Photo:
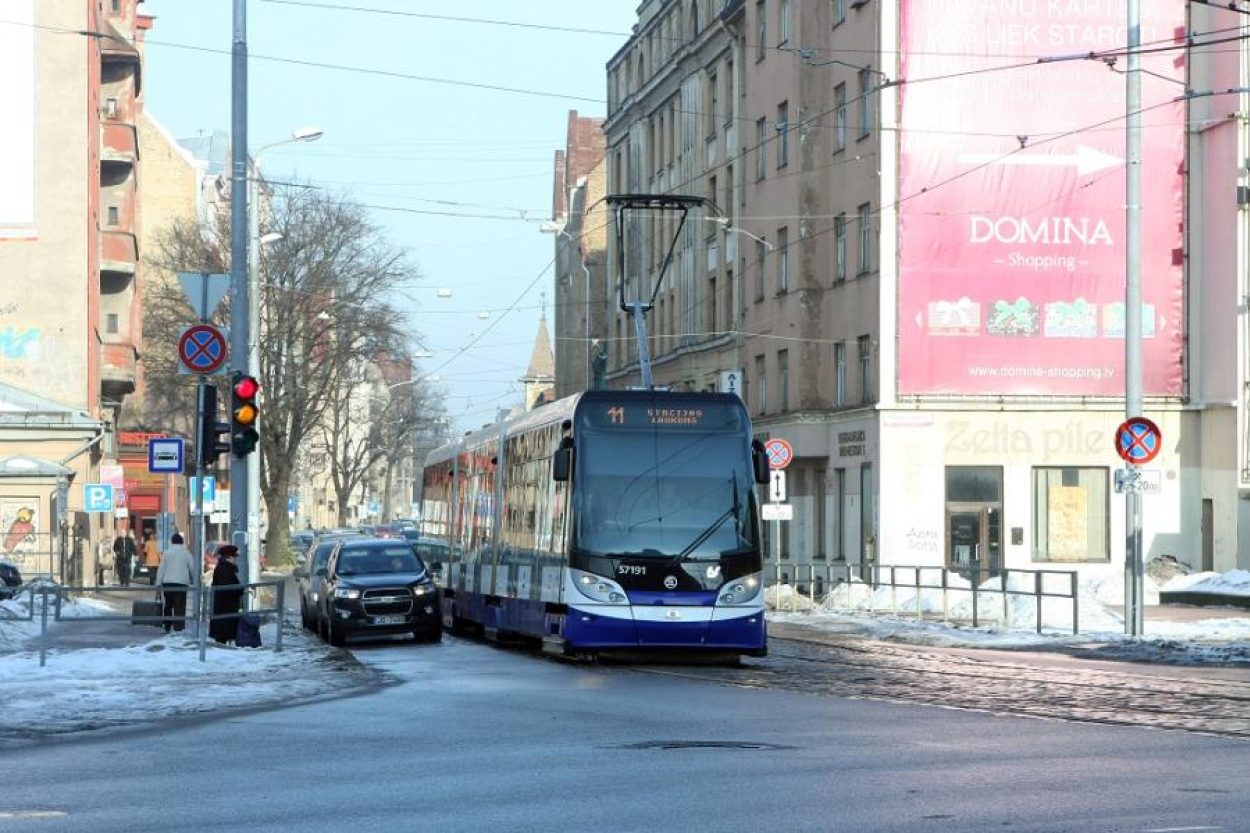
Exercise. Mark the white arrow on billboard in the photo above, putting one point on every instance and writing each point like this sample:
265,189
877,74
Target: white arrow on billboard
1086,160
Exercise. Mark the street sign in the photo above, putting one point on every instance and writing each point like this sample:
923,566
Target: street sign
209,490
113,475
121,512
119,498
779,452
97,497
202,349
1142,481
731,382
777,511
1138,441
204,290
777,486
165,456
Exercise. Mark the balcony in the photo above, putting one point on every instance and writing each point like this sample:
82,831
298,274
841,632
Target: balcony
117,369
118,143
119,252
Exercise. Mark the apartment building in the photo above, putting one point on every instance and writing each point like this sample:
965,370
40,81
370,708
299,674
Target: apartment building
69,254
671,128
931,255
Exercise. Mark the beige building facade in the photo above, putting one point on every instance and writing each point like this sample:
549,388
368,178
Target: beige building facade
816,150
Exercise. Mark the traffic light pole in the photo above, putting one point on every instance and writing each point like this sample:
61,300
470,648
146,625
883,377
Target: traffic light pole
240,292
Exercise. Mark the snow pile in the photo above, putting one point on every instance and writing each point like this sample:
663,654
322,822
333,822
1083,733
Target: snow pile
19,623
785,597
956,603
102,687
1232,583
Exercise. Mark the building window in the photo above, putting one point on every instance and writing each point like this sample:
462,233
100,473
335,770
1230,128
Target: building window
761,125
783,259
713,90
113,215
116,6
783,380
110,323
839,364
783,22
783,134
865,101
712,324
867,514
865,239
761,254
713,193
839,11
864,343
839,247
761,34
839,501
761,386
1070,511
839,118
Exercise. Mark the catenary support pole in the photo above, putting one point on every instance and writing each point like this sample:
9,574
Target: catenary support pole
1133,590
240,301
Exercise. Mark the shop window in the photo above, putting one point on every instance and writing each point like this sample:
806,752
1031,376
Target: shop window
1070,512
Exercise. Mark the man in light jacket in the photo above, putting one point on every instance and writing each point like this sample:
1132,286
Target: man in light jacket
173,577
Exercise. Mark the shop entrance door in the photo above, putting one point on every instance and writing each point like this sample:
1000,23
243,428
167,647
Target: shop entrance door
974,528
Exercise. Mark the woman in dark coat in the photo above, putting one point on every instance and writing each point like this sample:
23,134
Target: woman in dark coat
226,574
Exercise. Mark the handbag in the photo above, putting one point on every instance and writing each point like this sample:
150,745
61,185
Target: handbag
247,634
146,612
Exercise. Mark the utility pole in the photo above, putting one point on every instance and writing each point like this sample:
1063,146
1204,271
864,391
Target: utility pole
1134,584
240,293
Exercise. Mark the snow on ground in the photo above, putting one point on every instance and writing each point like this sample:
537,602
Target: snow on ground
152,675
932,617
1232,583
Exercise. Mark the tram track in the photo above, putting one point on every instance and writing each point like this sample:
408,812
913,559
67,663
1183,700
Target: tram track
857,669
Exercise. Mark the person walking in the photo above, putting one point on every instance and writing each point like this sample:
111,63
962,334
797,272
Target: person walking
222,628
174,575
124,552
151,557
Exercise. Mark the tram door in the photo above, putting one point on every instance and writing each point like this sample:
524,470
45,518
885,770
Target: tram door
974,528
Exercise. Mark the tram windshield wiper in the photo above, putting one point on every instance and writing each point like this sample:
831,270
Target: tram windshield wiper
731,512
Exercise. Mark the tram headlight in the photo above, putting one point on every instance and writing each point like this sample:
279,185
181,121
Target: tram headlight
743,590
598,588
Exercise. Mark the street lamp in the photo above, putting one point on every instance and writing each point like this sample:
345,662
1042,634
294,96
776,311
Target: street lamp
301,134
550,227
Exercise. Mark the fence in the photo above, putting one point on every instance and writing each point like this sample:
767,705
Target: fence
48,597
825,578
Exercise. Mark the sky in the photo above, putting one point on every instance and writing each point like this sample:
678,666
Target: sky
414,145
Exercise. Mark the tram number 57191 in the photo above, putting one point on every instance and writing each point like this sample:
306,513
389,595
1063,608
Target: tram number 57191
631,570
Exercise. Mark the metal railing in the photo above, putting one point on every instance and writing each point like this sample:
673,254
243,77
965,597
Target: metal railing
47,598
822,579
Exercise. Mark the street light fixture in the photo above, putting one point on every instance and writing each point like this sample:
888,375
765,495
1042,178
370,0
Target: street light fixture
300,134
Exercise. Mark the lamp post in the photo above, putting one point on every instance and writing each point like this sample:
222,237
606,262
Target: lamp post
303,134
551,227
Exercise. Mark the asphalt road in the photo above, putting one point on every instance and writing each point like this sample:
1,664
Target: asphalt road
471,737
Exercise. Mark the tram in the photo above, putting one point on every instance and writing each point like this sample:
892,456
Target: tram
612,521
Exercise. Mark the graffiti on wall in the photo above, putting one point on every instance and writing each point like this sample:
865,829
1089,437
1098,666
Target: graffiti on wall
19,526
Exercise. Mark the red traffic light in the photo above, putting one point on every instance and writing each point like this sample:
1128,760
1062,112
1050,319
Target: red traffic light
246,387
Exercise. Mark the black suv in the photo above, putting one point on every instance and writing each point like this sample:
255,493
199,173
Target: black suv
10,579
377,586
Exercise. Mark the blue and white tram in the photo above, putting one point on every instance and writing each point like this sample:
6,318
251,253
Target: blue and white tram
609,521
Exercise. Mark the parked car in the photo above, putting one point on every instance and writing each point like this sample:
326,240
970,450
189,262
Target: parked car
10,579
388,531
432,551
299,542
377,586
311,572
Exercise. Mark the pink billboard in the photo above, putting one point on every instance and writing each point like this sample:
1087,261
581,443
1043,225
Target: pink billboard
1011,203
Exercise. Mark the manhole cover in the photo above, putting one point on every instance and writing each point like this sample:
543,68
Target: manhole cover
703,744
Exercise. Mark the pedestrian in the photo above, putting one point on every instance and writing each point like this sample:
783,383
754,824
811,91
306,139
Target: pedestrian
174,575
124,552
227,595
151,557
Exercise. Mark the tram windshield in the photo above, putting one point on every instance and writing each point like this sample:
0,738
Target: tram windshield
671,483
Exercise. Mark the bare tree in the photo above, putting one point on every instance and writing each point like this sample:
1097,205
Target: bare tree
326,290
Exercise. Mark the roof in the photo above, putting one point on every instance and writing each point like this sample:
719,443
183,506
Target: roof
32,467
542,360
211,148
18,406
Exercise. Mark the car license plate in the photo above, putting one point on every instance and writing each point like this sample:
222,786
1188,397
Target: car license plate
388,620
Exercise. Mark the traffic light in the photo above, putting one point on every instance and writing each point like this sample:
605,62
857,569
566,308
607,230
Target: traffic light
243,414
211,430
